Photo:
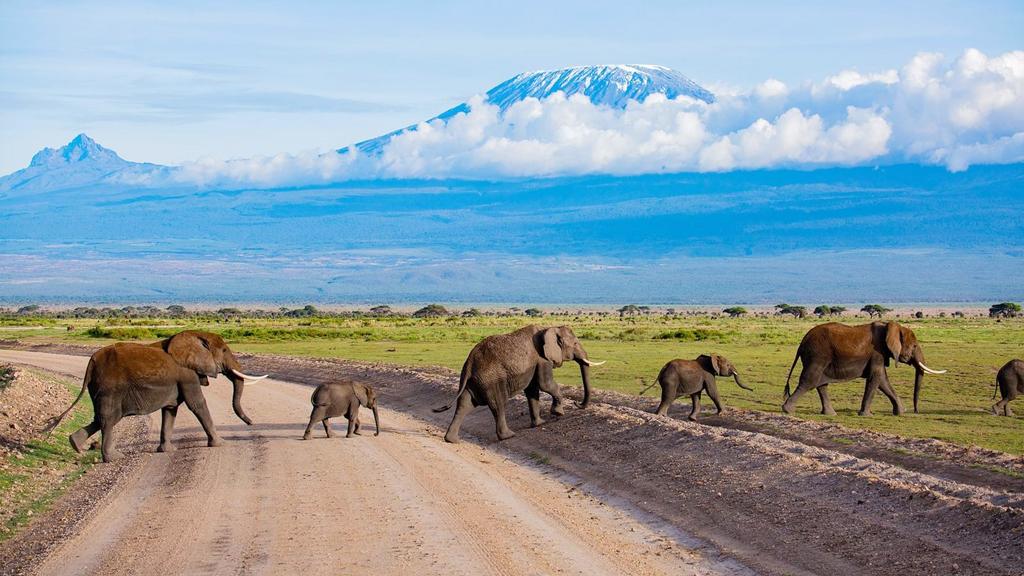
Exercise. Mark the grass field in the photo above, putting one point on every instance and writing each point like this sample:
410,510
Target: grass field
954,406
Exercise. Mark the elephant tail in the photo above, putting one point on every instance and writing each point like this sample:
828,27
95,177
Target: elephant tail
52,424
785,394
463,381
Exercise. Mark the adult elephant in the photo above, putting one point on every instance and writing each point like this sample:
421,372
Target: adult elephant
836,352
502,365
127,379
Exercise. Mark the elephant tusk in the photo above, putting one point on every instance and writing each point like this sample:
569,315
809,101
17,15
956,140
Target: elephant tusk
589,363
247,377
929,370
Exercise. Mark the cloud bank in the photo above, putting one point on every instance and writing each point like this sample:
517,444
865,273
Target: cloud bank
933,110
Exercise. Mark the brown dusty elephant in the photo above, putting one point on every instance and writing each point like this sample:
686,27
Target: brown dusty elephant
127,379
500,366
1010,384
341,399
691,377
836,352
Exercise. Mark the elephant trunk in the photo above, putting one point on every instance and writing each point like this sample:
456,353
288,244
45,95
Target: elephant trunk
918,378
736,377
236,398
376,420
585,374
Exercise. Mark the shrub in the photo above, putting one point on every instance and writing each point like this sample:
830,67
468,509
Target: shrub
7,375
694,335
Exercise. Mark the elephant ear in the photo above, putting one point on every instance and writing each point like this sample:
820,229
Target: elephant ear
716,363
709,360
361,393
552,351
193,352
893,341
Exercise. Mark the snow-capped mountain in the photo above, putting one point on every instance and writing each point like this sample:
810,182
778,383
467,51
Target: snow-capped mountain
82,162
611,85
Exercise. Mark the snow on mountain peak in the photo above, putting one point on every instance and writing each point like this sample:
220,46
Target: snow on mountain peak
80,149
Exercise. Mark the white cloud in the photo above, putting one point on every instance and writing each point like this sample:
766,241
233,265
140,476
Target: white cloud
932,111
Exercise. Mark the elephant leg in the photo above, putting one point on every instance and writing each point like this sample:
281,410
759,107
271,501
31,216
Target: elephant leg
551,388
810,377
319,414
462,407
167,428
712,389
870,386
886,388
1007,410
533,401
109,451
668,395
826,402
500,424
327,427
695,412
358,425
196,402
351,426
80,438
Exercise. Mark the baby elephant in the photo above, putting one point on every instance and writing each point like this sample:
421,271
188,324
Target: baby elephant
691,377
1010,382
341,399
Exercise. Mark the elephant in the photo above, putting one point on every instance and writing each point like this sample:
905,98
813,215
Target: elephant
836,352
341,399
1010,383
127,379
500,366
691,377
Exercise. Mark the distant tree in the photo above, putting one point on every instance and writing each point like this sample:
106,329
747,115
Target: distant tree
873,310
795,311
472,313
670,311
176,310
533,312
836,310
629,310
735,311
823,310
958,314
382,310
1004,310
229,312
430,311
30,309
918,314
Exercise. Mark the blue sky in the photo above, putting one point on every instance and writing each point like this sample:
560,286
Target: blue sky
172,82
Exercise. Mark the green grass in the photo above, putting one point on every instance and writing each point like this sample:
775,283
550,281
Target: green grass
954,406
16,481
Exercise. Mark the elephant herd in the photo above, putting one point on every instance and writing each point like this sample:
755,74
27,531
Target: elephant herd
126,379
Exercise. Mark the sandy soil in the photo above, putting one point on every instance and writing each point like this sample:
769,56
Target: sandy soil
403,502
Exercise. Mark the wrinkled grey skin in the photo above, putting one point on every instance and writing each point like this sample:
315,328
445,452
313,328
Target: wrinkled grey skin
341,399
128,379
691,377
502,365
1010,384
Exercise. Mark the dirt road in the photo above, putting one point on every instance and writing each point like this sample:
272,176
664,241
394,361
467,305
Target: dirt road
404,502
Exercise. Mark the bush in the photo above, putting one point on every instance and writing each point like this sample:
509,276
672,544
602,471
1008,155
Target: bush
694,335
7,374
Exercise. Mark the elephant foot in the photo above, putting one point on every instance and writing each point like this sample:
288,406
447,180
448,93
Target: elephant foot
537,422
692,417
307,436
452,438
557,410
787,409
166,447
1009,412
111,456
214,442
829,412
506,434
79,441
864,413
897,412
